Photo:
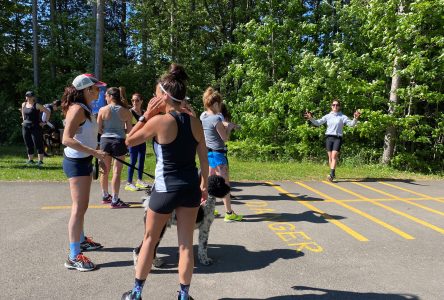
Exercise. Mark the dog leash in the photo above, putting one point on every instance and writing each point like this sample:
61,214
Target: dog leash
130,165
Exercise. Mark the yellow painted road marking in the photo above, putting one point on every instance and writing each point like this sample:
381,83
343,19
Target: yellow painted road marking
89,206
401,199
360,212
411,192
414,219
326,216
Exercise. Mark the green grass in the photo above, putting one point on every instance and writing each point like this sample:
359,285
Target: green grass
13,168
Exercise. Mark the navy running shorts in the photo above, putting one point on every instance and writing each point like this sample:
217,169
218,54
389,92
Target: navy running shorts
166,202
333,143
113,146
76,167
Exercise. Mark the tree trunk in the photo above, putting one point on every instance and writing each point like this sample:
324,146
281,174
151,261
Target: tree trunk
144,57
98,62
172,31
390,134
35,53
52,11
93,31
123,29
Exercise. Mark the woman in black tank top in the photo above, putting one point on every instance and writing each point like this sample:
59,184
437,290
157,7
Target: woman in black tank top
31,127
170,123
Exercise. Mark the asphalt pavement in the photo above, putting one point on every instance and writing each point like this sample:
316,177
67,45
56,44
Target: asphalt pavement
372,239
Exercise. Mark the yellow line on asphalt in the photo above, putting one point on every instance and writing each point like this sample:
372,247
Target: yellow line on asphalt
414,219
326,216
89,206
400,199
427,197
359,212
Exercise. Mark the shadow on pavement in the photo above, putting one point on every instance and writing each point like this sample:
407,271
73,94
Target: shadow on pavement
375,179
116,249
115,264
326,294
227,259
307,216
277,198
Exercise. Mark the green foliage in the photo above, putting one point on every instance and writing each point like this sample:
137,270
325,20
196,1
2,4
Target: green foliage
272,61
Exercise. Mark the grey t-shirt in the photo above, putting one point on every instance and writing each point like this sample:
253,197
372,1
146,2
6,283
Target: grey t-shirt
212,137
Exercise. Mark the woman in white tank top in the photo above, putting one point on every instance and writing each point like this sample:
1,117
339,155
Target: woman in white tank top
80,139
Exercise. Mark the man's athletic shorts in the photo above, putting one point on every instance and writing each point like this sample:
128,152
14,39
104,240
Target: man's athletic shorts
333,143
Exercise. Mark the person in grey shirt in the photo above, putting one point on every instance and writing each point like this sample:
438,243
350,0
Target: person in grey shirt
335,123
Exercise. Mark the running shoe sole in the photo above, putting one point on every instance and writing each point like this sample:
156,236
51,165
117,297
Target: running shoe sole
71,267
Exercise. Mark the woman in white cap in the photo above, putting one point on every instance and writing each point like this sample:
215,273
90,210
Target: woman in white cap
31,128
80,139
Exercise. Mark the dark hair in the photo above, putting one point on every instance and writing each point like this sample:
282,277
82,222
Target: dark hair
336,100
174,82
224,111
70,96
115,93
56,103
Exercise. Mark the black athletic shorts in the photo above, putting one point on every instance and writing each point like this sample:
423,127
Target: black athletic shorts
113,146
165,203
333,143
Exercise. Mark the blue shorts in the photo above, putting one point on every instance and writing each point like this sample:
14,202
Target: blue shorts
217,159
76,167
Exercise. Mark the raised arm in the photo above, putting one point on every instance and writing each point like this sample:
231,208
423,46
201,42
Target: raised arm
309,116
353,122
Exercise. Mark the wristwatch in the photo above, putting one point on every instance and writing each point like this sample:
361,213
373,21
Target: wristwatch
142,119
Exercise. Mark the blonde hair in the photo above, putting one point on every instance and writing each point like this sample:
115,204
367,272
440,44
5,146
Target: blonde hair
210,97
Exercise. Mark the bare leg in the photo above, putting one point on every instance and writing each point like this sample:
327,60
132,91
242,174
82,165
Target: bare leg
154,224
117,171
80,188
223,171
105,174
186,219
334,159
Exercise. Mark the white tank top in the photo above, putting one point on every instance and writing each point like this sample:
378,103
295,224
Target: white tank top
85,135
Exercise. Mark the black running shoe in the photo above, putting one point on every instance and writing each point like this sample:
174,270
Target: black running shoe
81,263
129,296
90,245
119,204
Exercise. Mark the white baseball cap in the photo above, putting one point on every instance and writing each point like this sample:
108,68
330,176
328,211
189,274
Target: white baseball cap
86,80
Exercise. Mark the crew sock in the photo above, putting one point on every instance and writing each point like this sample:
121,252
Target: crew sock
74,250
184,291
138,287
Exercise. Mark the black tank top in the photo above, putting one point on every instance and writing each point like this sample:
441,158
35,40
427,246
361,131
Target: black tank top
31,115
176,161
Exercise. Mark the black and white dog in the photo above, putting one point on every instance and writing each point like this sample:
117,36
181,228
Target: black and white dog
217,188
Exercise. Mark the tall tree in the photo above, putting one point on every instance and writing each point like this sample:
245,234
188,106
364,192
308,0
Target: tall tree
35,40
390,135
98,62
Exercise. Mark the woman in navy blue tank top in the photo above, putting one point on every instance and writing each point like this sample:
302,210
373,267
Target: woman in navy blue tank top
177,137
